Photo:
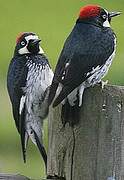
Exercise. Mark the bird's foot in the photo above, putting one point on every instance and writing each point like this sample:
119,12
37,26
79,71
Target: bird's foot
81,91
103,83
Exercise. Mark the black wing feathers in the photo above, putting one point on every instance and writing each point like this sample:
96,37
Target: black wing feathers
41,148
16,80
91,46
57,77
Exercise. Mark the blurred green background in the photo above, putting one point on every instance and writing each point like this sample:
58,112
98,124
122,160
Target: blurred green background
52,21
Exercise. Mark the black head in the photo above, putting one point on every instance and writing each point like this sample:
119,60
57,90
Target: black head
28,43
97,14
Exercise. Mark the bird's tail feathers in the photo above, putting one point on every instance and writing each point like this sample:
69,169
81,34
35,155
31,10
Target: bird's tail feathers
24,143
70,114
34,131
40,147
36,140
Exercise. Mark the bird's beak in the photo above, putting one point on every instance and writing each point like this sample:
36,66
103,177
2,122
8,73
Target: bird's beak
35,42
113,14
33,45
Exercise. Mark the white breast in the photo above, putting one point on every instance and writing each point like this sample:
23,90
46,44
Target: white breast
38,79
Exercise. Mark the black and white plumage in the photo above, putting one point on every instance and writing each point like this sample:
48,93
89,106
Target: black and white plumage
85,58
28,80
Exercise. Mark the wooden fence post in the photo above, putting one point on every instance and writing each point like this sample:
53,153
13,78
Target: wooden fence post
93,149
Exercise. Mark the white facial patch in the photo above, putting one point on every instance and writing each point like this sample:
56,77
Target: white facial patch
41,51
23,50
30,37
106,23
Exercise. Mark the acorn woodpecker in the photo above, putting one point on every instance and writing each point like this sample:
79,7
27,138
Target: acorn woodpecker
85,58
28,80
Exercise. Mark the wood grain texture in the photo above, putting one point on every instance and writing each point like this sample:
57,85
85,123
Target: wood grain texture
93,149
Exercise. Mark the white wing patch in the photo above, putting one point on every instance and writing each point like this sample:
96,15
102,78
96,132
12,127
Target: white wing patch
22,102
66,65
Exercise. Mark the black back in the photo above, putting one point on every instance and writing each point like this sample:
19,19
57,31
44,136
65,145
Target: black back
87,46
16,79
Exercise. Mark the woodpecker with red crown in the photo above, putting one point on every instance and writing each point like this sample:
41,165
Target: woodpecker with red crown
28,80
85,59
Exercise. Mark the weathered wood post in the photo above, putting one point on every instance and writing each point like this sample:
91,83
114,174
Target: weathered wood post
93,149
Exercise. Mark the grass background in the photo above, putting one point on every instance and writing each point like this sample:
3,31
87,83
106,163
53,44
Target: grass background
52,21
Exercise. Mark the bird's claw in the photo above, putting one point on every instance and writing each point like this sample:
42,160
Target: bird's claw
103,83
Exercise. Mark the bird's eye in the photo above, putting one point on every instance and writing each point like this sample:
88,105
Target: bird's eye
104,16
22,43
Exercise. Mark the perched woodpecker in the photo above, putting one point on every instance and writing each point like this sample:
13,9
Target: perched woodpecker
85,59
28,80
